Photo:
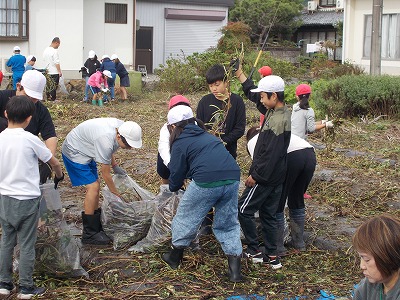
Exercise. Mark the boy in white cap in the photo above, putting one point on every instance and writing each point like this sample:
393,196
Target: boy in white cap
91,142
90,67
17,64
267,172
30,62
109,65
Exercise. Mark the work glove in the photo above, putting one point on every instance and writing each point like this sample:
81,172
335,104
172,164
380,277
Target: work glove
105,90
57,180
118,170
45,171
329,124
234,65
323,121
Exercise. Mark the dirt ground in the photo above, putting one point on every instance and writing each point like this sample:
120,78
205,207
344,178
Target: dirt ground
357,176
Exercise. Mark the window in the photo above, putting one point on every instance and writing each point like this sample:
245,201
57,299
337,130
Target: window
390,36
13,19
116,13
327,2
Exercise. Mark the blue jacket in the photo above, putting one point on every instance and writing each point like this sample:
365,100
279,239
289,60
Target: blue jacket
121,70
109,65
17,63
200,156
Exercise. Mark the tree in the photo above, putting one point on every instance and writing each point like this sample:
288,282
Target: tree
261,15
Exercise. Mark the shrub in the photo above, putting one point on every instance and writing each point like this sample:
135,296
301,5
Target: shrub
233,36
353,96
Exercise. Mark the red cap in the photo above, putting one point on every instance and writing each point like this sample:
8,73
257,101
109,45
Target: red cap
303,89
1,76
265,71
175,100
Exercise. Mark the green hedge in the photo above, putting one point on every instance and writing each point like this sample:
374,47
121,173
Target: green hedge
354,96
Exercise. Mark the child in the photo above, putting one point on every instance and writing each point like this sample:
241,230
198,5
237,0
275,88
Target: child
221,110
164,155
264,71
17,64
30,62
90,67
96,141
215,176
303,117
377,241
123,76
108,64
95,81
224,114
20,195
267,173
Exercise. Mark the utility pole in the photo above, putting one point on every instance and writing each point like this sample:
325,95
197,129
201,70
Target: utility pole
376,38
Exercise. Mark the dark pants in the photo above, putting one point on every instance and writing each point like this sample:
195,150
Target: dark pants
265,200
300,170
52,87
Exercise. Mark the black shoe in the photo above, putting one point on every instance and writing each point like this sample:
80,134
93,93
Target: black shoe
29,292
255,256
273,261
174,257
6,288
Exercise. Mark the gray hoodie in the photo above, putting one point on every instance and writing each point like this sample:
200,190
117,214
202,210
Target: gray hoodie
303,121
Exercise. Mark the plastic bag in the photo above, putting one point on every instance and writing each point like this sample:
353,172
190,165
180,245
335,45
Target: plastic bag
127,222
63,88
57,251
160,229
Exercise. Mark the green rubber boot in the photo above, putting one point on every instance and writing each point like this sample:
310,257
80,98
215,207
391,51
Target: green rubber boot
94,102
100,102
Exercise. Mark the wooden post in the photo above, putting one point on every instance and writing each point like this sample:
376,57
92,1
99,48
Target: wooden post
376,38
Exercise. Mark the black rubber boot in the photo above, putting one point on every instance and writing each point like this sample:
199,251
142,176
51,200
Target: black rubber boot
206,226
92,233
174,257
234,268
98,212
297,220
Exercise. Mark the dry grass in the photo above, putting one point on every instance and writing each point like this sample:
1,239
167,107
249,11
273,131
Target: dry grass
360,188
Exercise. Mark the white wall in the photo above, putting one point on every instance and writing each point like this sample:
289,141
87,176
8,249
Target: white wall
355,11
152,14
107,38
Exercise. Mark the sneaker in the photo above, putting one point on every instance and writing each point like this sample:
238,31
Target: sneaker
29,292
255,256
273,261
6,288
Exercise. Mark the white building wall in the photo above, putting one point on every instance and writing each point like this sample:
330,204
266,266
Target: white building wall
354,19
107,38
151,14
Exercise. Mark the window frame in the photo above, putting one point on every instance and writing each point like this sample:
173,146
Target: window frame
21,24
367,38
327,3
112,17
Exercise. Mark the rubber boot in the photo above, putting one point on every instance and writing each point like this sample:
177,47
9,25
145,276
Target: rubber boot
100,102
174,257
280,234
92,233
94,102
98,212
206,226
234,268
297,220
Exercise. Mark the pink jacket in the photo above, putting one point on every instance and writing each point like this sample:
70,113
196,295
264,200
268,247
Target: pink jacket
96,79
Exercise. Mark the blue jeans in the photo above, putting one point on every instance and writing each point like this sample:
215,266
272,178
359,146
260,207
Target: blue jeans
87,89
194,206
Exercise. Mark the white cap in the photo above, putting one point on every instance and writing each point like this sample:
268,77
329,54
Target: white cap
114,56
105,56
107,73
92,54
179,113
271,83
29,58
16,48
33,83
132,133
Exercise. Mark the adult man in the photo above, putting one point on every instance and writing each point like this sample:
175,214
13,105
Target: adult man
32,85
17,64
94,142
52,62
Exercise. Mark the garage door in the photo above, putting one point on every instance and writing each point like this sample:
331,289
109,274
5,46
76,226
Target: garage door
190,36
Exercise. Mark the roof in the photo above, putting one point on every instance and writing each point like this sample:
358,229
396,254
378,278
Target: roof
321,18
227,3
